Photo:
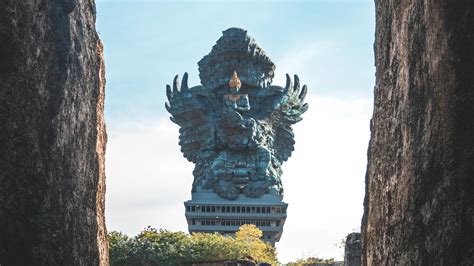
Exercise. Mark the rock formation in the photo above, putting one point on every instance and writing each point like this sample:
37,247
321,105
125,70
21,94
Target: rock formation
353,250
52,134
419,205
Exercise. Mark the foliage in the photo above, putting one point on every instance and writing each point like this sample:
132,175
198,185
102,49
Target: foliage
162,247
248,233
210,247
311,261
249,236
118,247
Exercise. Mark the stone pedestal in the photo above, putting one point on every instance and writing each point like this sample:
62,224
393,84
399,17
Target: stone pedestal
206,212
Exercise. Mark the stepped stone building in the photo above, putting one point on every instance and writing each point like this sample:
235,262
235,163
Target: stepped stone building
207,212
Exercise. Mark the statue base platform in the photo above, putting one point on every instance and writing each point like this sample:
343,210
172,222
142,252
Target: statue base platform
206,212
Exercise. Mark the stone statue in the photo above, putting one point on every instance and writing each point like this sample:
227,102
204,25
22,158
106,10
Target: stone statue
236,127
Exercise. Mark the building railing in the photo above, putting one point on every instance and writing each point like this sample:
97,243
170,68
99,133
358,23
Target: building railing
235,215
234,209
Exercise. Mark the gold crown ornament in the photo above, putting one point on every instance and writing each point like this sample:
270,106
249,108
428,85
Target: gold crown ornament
234,81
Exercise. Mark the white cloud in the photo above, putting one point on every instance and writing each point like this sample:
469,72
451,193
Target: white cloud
324,179
148,179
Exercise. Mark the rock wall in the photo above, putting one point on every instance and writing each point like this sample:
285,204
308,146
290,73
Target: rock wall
52,134
419,205
353,250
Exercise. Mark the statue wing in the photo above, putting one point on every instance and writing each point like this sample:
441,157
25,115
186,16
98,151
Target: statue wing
287,110
190,109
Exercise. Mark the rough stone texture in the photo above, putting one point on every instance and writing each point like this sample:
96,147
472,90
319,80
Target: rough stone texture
52,135
238,133
419,205
353,250
233,52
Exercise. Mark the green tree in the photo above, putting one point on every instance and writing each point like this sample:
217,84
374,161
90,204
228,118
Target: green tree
162,247
312,261
209,247
119,245
249,236
153,247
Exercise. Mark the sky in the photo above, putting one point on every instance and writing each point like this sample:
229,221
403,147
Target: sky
329,44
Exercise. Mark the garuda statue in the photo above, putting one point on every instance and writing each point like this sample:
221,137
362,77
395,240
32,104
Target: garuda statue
236,126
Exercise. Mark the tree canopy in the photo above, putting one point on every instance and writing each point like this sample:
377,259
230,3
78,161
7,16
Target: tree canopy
162,247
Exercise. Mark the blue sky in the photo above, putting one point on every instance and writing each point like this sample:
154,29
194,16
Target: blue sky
327,43
147,43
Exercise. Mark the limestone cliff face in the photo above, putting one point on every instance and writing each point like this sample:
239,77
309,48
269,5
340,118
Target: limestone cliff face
52,134
419,205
